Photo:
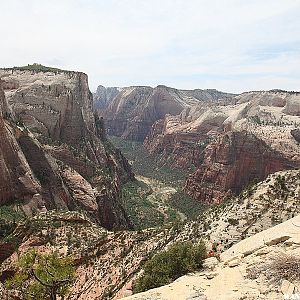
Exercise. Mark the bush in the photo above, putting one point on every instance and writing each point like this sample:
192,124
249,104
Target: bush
280,266
233,222
169,265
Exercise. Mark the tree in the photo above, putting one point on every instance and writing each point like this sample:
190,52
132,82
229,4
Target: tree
42,276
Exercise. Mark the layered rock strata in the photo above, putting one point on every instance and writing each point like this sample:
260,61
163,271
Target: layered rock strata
64,144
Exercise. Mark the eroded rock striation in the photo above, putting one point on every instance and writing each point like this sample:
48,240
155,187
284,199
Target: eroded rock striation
131,113
230,145
56,130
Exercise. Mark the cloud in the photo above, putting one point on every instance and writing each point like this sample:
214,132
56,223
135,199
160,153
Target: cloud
233,45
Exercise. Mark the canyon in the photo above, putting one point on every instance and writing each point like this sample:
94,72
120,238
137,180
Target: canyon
115,177
230,141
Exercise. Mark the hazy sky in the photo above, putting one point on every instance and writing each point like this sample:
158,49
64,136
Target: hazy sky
230,45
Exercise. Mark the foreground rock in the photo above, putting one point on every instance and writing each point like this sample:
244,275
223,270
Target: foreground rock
233,279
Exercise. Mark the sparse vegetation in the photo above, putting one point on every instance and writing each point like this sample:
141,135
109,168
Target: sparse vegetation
10,215
35,67
165,267
280,266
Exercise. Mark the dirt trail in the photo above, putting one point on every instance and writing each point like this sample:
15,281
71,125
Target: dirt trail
161,195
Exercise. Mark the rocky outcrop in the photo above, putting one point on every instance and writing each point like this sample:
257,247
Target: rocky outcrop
243,271
105,261
56,130
230,164
103,96
133,110
257,208
296,134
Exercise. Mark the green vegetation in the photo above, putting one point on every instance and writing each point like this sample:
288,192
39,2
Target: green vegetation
145,165
190,207
42,276
39,68
10,215
233,222
169,265
142,212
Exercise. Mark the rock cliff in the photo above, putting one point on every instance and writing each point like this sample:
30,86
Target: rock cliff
258,127
131,113
103,96
17,181
64,144
231,163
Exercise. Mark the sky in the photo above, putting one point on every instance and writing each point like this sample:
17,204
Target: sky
229,45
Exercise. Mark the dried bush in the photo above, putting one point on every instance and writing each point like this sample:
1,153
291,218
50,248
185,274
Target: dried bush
280,266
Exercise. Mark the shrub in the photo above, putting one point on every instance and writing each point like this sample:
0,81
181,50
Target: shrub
233,222
280,266
170,264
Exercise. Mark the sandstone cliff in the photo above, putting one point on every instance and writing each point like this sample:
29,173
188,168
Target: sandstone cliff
258,127
65,144
131,113
17,179
103,96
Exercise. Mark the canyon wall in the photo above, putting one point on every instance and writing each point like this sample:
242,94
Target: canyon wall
131,112
230,145
63,144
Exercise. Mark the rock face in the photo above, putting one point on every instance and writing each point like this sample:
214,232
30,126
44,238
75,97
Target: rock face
56,129
133,110
103,96
17,181
230,145
231,163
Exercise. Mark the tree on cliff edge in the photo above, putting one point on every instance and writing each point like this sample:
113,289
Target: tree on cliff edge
42,276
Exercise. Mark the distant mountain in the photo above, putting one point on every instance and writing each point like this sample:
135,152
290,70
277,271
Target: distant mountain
130,112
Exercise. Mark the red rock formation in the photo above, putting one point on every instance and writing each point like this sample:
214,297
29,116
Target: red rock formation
61,132
231,163
133,110
17,182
